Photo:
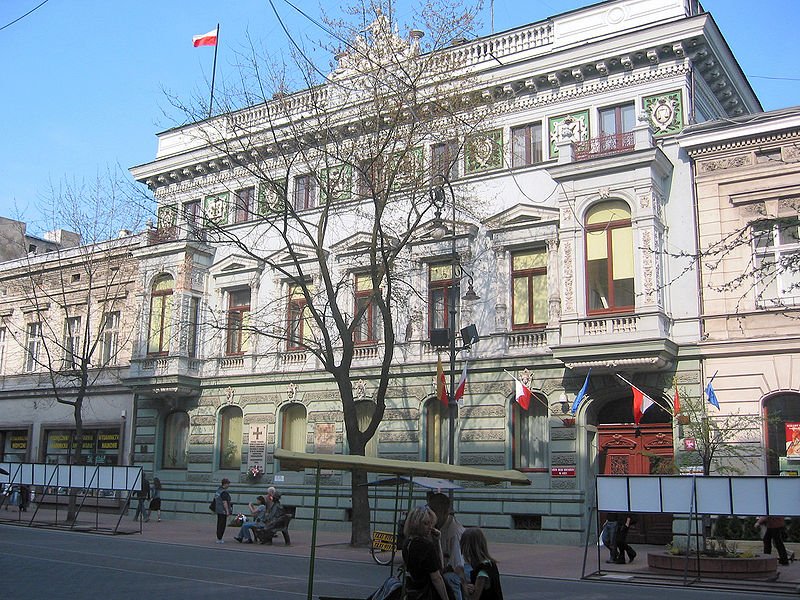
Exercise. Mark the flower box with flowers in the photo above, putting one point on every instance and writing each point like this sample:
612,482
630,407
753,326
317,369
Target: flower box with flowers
254,474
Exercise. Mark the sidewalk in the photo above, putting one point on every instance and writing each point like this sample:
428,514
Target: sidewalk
532,560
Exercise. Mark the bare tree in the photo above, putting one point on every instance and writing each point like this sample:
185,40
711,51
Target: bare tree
71,323
354,139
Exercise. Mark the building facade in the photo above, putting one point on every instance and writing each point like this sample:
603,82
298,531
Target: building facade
573,225
746,172
65,323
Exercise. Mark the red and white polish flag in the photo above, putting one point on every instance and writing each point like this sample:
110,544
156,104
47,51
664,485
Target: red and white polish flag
522,394
462,385
206,39
641,402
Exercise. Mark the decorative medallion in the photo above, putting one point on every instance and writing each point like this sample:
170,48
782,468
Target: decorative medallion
665,112
271,197
360,389
573,127
216,208
484,151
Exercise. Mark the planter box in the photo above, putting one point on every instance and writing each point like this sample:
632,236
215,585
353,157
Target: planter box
734,568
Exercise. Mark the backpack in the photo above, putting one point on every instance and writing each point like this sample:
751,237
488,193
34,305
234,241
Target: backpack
213,505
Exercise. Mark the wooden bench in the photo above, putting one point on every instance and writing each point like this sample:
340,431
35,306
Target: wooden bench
280,525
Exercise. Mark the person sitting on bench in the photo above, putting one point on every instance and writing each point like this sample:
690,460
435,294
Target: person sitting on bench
275,520
258,512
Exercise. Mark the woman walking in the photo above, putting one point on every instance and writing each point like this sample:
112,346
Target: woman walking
155,499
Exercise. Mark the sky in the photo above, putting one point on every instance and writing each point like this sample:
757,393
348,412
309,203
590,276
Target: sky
84,82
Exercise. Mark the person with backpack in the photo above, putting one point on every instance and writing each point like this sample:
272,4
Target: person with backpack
155,499
223,507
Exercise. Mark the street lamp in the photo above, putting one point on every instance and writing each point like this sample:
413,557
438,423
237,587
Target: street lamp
447,337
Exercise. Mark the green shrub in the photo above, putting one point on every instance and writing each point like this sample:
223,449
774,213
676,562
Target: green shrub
794,530
721,527
735,529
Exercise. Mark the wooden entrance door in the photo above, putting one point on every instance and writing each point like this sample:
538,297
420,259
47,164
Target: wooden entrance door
626,450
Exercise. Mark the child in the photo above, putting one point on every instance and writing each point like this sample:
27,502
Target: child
484,576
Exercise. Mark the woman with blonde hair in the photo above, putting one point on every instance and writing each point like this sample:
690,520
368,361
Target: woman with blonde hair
421,555
485,578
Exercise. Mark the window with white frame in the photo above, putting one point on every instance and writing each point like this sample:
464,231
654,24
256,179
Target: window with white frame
609,258
33,346
72,342
776,245
529,430
109,342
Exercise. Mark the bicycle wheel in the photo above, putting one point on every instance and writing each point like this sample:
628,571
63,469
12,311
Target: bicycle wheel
379,554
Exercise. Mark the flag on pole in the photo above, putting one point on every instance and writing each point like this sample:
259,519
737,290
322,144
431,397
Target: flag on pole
712,397
441,386
581,394
206,39
462,385
641,402
522,394
676,402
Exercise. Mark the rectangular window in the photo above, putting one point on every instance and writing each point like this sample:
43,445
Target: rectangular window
191,214
529,431
443,295
304,192
243,204
526,145
368,327
194,324
110,338
72,342
238,316
529,288
369,178
299,319
444,159
776,245
617,119
33,346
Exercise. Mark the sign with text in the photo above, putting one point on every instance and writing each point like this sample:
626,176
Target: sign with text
256,457
562,472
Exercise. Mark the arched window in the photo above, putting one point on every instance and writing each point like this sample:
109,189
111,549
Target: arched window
293,428
783,434
175,440
609,258
230,437
159,331
365,409
436,431
529,431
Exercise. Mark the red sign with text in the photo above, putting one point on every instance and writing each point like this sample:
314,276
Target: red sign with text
562,472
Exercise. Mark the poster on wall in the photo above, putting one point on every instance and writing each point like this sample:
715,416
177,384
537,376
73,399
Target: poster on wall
793,441
258,445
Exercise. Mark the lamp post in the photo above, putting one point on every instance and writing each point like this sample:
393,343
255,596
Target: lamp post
469,334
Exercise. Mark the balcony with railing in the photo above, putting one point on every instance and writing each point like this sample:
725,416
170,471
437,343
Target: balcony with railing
605,145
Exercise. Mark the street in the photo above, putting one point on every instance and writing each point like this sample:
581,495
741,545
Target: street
42,563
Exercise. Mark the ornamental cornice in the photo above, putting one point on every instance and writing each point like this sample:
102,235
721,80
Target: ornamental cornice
749,143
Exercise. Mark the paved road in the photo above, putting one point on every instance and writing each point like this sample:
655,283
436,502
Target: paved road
45,564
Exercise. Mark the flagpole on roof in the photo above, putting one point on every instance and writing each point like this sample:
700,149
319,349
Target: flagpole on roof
213,75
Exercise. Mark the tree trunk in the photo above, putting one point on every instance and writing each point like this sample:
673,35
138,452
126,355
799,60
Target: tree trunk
360,532
75,459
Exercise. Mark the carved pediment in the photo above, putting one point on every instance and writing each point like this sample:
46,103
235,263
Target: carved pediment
356,244
300,253
521,215
237,265
619,441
